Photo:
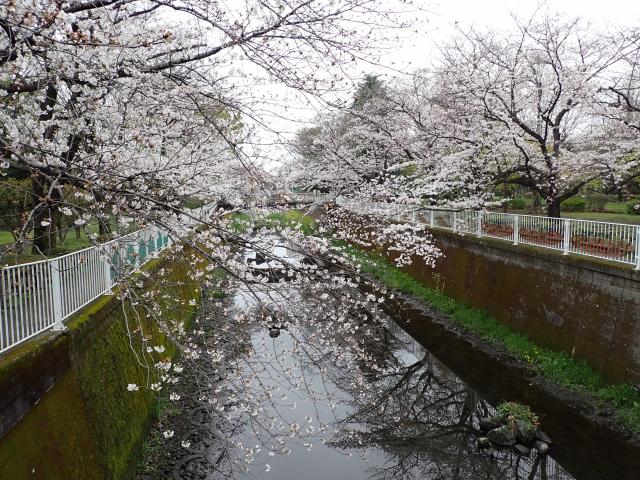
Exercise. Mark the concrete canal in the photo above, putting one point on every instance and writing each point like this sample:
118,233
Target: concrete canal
270,392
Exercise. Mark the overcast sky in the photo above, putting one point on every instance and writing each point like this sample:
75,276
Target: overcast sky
435,24
441,18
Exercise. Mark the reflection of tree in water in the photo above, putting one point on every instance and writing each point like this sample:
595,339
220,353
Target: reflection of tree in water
374,391
425,420
238,411
209,399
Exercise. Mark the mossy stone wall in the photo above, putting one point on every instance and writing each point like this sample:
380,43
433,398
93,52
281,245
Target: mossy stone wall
88,425
584,306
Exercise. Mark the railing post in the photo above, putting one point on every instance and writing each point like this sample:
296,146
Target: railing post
136,251
516,229
106,268
153,239
638,248
414,218
479,226
431,217
56,294
566,238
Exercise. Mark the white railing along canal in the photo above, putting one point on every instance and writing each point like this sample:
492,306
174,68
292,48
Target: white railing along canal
40,295
618,242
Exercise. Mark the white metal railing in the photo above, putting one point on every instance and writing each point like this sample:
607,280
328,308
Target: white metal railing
310,196
40,295
618,242
266,199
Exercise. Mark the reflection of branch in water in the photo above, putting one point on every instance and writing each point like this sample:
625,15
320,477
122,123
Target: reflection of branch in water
371,389
424,420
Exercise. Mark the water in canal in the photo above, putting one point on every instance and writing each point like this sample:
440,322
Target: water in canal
271,391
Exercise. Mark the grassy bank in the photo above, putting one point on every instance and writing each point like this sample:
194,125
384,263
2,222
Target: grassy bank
557,367
70,243
292,219
240,223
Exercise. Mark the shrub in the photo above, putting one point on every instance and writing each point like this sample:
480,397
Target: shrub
518,203
574,204
518,411
633,206
597,201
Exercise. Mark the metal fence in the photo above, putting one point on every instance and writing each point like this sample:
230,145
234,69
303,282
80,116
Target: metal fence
310,197
40,295
618,242
265,199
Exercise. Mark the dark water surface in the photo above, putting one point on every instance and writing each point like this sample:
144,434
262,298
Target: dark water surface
270,402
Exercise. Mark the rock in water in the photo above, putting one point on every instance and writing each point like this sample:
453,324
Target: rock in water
483,442
487,424
503,436
541,447
525,432
522,450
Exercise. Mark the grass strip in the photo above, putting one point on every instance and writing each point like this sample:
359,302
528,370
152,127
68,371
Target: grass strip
557,367
291,218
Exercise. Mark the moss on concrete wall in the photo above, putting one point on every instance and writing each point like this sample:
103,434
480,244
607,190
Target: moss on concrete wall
89,426
589,310
54,441
586,307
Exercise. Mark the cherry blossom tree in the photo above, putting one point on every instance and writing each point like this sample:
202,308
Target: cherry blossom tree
138,103
528,100
365,147
402,145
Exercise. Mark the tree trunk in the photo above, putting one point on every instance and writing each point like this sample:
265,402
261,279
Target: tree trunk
505,193
103,227
553,208
44,236
61,230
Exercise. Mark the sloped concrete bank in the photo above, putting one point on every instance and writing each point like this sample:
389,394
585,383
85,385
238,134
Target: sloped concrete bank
65,409
584,306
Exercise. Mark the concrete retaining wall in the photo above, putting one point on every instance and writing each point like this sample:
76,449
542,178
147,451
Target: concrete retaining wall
584,306
64,406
